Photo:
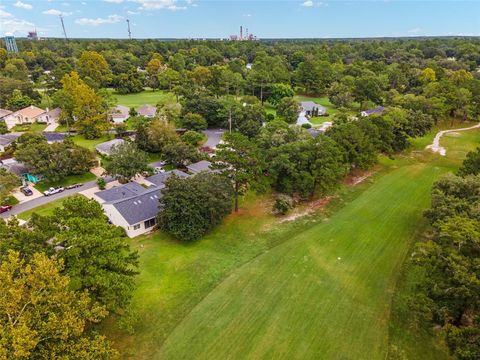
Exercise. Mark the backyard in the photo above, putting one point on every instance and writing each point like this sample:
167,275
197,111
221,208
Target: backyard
147,97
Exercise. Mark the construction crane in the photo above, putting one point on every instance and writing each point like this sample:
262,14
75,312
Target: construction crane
129,32
63,27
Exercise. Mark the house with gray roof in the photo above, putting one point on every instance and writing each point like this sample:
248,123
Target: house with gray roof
106,148
6,140
378,110
160,179
200,166
136,214
128,190
119,114
312,109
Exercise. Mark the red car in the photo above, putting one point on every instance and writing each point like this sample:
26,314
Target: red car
5,208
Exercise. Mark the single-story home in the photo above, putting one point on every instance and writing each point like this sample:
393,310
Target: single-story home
106,148
147,111
160,179
377,110
136,214
49,116
200,166
19,169
119,114
6,140
22,116
312,109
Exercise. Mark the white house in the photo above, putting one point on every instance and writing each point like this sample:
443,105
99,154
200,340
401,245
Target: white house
106,148
49,116
147,111
23,116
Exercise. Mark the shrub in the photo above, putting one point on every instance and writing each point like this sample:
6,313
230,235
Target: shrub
101,183
283,204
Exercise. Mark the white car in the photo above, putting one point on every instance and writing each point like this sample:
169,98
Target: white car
53,191
158,170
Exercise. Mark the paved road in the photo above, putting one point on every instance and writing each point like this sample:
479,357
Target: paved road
214,137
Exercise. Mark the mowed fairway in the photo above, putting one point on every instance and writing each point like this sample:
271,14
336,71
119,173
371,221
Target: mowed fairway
323,294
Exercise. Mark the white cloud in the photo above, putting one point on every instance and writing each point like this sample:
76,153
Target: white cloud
22,5
159,4
130,12
308,3
11,24
114,1
56,12
4,14
111,19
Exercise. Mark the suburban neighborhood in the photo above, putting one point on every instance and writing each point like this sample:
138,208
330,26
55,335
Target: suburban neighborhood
197,180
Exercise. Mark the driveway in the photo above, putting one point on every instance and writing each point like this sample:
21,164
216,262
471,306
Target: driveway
214,137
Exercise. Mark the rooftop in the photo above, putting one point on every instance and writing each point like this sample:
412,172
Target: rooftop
128,190
197,167
160,179
107,147
30,112
4,112
7,139
147,110
310,105
140,207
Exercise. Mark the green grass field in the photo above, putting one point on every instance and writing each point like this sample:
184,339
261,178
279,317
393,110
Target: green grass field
90,144
145,97
43,210
35,127
319,287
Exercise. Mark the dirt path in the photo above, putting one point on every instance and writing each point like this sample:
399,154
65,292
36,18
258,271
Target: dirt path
435,146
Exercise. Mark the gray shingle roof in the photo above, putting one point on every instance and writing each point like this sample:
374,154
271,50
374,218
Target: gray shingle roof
147,110
128,190
141,207
310,105
107,147
197,167
160,179
7,139
54,137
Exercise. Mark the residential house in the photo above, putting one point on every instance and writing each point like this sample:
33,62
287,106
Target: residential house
119,114
49,116
136,214
106,148
200,166
378,110
147,111
312,109
4,112
19,169
24,116
133,206
161,179
6,140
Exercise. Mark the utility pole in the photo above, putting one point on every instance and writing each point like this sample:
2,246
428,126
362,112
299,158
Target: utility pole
63,27
129,32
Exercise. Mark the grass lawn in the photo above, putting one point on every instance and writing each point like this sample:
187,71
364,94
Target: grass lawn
145,97
90,144
257,288
69,180
44,210
35,127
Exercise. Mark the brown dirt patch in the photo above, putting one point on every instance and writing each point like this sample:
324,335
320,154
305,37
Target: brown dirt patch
307,209
357,177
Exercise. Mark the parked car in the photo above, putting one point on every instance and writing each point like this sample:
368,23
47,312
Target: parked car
74,186
26,191
158,170
5,208
53,191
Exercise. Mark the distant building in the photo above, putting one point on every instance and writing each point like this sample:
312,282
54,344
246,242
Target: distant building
312,109
11,44
106,148
119,114
32,35
6,140
377,110
147,111
200,166
27,115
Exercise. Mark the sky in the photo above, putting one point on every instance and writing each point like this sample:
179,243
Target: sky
219,19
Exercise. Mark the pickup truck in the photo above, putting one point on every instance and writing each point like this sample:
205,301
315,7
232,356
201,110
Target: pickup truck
53,191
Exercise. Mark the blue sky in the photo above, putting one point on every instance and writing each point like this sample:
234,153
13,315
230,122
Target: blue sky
219,19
